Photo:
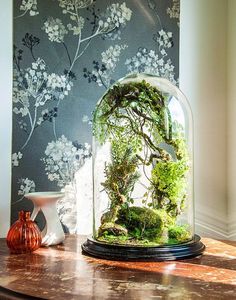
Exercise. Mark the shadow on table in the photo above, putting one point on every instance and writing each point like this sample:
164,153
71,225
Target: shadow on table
219,262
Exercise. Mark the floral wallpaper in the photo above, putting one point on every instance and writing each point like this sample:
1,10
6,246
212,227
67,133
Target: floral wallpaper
66,54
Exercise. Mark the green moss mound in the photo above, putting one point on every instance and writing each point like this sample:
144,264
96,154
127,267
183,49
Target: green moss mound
179,234
143,226
141,222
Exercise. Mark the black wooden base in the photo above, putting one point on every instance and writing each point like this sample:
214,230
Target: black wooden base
130,253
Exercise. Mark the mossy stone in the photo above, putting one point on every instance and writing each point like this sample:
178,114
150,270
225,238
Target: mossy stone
141,222
179,233
112,228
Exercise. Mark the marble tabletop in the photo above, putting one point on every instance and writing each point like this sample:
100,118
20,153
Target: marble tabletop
62,272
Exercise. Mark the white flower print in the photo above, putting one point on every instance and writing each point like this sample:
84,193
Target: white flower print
15,158
41,119
174,11
23,111
63,159
113,35
77,29
28,6
69,5
23,125
55,30
55,81
164,39
33,88
116,15
163,52
19,95
150,62
72,7
37,83
111,56
26,186
102,74
85,119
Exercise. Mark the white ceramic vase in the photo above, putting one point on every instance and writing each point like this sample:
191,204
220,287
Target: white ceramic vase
53,233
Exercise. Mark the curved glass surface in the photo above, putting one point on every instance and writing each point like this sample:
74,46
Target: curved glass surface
143,164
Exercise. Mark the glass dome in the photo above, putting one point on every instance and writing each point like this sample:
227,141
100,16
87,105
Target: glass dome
143,165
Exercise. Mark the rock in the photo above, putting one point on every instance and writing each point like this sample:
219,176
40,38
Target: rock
143,221
112,228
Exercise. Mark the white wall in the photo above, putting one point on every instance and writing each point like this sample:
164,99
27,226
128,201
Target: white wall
203,37
231,118
5,113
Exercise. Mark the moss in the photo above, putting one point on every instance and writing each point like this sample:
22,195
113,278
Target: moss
110,228
144,242
169,183
179,233
142,226
127,240
113,239
166,218
141,222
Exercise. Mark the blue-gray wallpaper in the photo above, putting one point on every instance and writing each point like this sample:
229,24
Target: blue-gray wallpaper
66,54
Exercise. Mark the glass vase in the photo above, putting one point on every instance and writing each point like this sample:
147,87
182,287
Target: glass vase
143,171
24,235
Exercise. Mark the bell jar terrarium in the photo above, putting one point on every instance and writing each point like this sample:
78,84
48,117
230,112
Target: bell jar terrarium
143,173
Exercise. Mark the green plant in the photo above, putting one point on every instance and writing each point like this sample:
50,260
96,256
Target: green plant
136,120
179,233
169,186
127,109
121,175
141,222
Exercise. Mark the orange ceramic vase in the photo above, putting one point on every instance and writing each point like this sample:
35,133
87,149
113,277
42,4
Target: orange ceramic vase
24,235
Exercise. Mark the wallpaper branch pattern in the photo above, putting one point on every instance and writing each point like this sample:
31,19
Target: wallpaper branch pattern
66,54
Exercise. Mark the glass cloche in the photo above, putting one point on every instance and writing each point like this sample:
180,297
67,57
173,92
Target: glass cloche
143,172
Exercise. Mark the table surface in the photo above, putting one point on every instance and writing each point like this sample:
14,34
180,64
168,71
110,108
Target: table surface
62,272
